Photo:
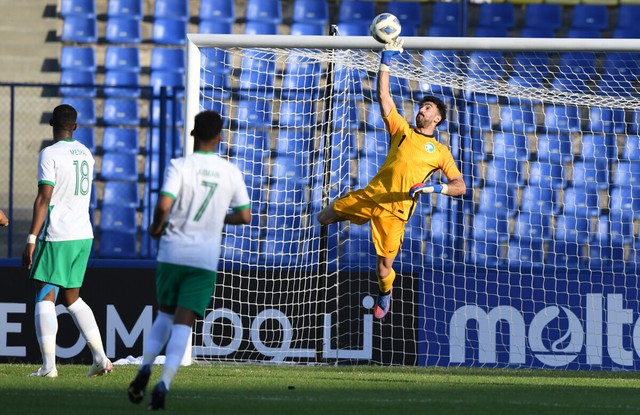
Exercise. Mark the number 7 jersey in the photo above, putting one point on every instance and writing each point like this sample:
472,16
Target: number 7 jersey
67,165
204,187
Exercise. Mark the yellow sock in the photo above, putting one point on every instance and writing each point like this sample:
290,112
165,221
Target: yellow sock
386,283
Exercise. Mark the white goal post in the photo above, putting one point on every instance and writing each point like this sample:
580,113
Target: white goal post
534,267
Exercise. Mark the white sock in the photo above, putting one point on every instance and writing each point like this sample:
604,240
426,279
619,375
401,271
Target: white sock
86,323
46,329
176,347
160,332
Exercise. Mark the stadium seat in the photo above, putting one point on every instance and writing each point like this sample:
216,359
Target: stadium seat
537,32
484,254
590,16
445,61
86,136
120,140
168,59
119,166
502,170
517,119
297,114
215,27
409,13
607,120
624,65
239,250
215,61
301,78
118,219
570,236
268,11
627,174
217,11
290,171
525,254
171,139
446,14
307,29
173,82
511,146
491,31
615,84
257,73
591,173
172,117
543,15
291,142
122,58
118,245
169,32
121,193
286,198
123,30
275,252
86,109
353,29
631,149
250,139
546,174
595,146
623,207
581,201
79,58
346,115
606,249
484,66
121,111
561,119
121,84
74,83
81,8
375,143
125,8
442,30
498,200
555,148
252,166
628,16
260,28
491,227
351,11
532,64
254,113
171,9
374,118
532,227
496,14
311,11
79,30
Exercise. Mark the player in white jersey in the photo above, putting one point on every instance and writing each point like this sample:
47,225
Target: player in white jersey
60,241
193,206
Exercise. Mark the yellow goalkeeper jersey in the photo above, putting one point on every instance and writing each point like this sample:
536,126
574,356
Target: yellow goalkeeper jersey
412,158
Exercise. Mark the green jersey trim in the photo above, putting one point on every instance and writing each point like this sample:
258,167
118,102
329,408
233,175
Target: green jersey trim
172,196
205,152
243,207
46,182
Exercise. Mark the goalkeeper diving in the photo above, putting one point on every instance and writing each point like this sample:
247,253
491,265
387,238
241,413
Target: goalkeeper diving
388,201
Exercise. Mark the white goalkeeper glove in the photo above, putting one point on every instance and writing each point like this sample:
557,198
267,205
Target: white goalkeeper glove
390,50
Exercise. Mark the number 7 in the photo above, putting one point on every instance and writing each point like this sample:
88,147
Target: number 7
212,188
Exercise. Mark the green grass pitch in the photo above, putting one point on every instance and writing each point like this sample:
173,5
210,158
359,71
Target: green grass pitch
326,390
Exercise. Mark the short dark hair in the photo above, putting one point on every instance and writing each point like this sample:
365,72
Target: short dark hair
442,107
64,117
208,125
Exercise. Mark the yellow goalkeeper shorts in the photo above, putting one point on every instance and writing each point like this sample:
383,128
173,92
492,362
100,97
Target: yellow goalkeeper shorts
387,230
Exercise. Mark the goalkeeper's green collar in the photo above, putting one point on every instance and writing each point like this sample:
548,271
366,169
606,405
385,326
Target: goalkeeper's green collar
204,152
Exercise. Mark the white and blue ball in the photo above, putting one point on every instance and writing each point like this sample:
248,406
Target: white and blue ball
385,28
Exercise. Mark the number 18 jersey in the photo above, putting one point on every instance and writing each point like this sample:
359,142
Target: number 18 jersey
204,187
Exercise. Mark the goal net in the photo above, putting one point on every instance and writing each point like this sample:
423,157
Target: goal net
533,267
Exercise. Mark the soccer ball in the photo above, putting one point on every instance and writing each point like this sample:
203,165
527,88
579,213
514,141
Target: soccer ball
385,28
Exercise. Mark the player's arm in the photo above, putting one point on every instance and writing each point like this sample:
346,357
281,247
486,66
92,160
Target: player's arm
383,90
455,186
160,215
239,217
40,209
4,220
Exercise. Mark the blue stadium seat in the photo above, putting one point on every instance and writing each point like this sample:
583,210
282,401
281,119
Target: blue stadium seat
555,148
628,16
120,140
484,66
444,30
570,236
445,14
502,170
498,200
353,29
215,27
624,65
121,193
121,84
253,140
496,14
590,16
254,113
260,28
123,30
86,109
291,142
626,33
561,119
257,74
275,252
346,115
269,11
409,13
595,146
122,58
581,201
169,32
80,58
217,10
491,31
519,119
311,11
375,142
543,15
171,9
374,118
216,86
117,245
168,59
537,200
445,61
367,168
591,173
297,114
172,81
533,64
631,149
606,120
301,78
484,254
81,8
348,81
171,139
121,111
351,11
615,84
239,249
623,207
125,8
86,136
173,117
79,30
215,61
606,247
118,219
627,174
85,81
537,32
119,166
511,146
290,170
525,254
308,29
490,227
252,165
286,198
532,227
546,174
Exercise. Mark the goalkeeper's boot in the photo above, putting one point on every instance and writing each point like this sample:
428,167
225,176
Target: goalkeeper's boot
99,369
157,397
139,384
45,373
383,304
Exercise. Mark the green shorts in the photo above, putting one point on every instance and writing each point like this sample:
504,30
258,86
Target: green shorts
61,263
187,287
